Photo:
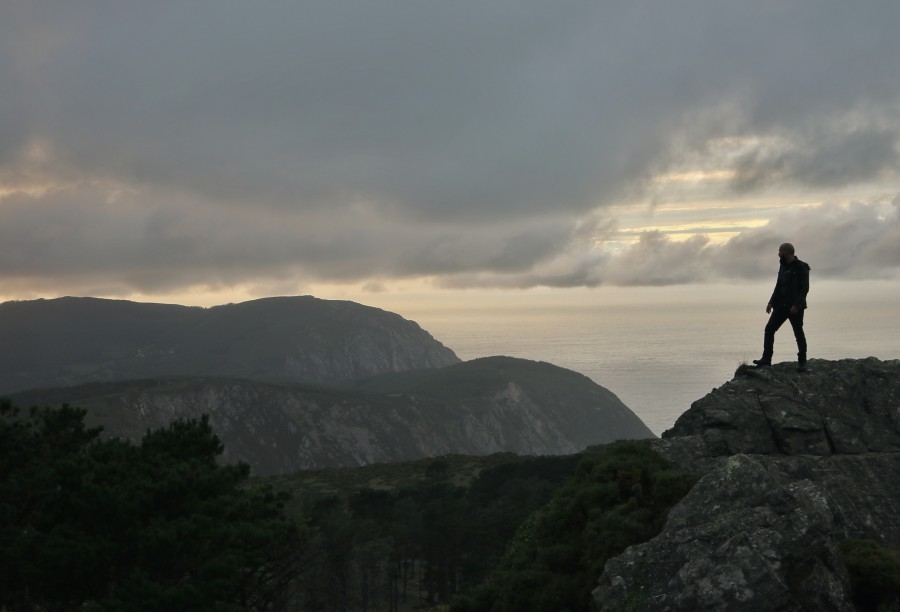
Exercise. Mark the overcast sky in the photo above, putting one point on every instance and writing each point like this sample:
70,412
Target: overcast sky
214,148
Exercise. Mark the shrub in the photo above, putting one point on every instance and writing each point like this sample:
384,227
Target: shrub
874,574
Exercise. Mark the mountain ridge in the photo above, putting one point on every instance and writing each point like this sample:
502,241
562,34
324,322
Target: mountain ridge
495,404
69,341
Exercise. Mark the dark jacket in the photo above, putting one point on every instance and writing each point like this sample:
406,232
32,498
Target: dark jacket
792,285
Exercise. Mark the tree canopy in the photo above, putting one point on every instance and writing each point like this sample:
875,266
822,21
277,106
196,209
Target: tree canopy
620,495
105,524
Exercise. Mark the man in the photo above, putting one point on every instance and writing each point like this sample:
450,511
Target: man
787,303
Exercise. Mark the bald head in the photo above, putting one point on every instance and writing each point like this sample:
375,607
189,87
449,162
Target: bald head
786,253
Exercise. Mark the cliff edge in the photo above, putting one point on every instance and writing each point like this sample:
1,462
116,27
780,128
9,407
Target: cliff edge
792,464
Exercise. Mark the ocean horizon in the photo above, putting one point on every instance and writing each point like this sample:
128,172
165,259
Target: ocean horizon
660,349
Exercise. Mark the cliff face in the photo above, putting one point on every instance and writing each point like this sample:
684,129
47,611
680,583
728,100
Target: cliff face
70,341
792,465
478,407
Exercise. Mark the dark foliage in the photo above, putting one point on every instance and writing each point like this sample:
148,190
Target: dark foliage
874,575
109,525
620,495
421,543
524,535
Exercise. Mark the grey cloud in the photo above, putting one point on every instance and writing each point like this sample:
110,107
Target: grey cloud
859,156
79,235
758,168
120,242
303,105
846,241
449,109
856,241
657,260
370,140
570,268
824,159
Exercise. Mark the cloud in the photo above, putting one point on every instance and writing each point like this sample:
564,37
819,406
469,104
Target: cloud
157,146
825,159
151,242
853,241
850,242
857,240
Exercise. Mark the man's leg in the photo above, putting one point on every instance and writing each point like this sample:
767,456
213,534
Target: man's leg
776,320
797,325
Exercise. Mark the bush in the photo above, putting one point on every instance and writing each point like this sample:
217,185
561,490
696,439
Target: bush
874,574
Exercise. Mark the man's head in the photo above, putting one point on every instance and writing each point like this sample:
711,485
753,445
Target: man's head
786,253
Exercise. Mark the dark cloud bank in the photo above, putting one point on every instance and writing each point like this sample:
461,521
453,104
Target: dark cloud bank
155,146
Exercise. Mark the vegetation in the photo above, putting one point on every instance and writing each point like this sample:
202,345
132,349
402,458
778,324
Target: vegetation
110,525
105,524
493,533
619,496
533,405
874,575
419,538
472,378
461,471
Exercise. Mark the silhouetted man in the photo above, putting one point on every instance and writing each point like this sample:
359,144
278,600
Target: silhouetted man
787,303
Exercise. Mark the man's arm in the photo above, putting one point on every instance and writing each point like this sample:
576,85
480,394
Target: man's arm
802,288
772,299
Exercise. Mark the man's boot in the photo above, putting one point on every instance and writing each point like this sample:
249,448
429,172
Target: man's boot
801,362
762,363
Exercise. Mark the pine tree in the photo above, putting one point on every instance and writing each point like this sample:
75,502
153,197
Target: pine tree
105,524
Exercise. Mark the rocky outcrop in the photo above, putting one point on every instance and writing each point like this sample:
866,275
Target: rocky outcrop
71,341
792,464
484,406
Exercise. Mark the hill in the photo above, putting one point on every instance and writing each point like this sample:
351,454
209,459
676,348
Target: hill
70,341
485,406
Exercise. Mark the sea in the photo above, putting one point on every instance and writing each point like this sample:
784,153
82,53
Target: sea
660,349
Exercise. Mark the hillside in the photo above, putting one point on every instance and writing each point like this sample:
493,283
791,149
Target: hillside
793,467
70,341
480,407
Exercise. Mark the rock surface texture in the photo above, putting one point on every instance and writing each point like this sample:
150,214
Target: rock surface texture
792,464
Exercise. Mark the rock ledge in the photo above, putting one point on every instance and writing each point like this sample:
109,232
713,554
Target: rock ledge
791,464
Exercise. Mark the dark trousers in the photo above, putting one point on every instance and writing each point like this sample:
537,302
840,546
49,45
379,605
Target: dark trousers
779,315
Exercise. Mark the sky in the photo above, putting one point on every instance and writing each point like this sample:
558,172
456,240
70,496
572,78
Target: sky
209,152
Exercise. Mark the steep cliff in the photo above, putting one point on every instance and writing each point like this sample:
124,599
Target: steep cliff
792,465
478,407
70,341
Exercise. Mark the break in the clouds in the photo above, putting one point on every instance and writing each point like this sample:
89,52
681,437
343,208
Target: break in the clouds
159,146
856,241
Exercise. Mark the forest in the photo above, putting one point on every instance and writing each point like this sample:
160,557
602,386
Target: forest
95,523
104,524
528,534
